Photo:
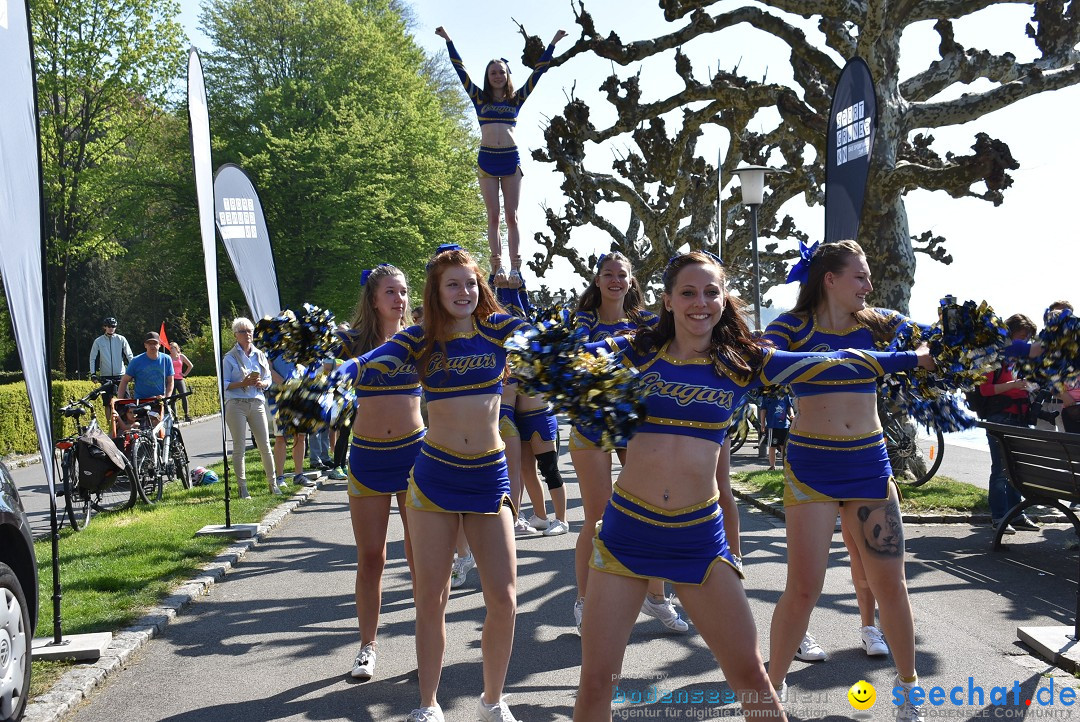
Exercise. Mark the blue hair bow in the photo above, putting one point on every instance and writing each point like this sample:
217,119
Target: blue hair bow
507,64
801,270
366,273
443,248
600,261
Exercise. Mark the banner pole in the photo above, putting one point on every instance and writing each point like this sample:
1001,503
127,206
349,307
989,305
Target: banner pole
57,623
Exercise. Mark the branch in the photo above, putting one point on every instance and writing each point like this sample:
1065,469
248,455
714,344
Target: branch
958,65
844,9
972,106
990,163
934,9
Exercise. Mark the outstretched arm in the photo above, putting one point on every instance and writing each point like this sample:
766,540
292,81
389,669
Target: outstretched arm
541,67
785,367
384,359
459,66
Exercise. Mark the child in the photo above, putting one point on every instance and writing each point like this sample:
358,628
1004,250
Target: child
775,415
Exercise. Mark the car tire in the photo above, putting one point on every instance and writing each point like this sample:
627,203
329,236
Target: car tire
15,639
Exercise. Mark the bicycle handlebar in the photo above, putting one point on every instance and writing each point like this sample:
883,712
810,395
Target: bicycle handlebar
78,407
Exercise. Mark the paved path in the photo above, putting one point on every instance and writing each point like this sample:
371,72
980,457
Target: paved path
276,638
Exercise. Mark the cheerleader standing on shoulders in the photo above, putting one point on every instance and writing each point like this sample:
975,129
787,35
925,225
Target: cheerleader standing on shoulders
611,305
460,474
695,365
386,439
836,460
497,105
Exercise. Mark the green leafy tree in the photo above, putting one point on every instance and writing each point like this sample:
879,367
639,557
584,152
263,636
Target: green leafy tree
104,69
357,148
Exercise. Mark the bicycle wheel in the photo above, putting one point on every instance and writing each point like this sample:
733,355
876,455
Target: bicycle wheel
909,451
179,457
738,435
149,483
120,494
76,504
931,447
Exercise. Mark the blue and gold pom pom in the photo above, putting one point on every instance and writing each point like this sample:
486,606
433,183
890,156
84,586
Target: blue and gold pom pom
304,337
305,405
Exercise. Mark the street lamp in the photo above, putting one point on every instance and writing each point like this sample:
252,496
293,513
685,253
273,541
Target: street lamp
752,180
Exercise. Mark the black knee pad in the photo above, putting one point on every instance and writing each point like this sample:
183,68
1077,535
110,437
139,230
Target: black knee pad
548,462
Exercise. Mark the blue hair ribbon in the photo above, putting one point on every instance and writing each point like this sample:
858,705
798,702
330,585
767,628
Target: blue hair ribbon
507,64
443,248
600,261
801,270
366,273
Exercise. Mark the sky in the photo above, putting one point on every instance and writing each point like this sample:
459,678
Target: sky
1019,256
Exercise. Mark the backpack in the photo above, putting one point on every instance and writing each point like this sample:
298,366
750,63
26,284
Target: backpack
99,461
984,406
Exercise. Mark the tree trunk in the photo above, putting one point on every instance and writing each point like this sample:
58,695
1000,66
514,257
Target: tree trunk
60,352
885,237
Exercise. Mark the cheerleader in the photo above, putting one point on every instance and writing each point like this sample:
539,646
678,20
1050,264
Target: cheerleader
386,438
460,474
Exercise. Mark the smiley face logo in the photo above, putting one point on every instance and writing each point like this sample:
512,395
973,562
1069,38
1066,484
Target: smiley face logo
862,695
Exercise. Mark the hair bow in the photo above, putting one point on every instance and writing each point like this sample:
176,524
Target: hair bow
600,262
801,270
366,273
507,64
443,248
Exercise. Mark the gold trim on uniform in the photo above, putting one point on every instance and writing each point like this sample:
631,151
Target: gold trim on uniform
827,437
459,455
879,442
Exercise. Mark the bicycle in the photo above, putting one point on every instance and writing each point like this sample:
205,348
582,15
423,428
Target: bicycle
157,449
742,422
80,501
908,450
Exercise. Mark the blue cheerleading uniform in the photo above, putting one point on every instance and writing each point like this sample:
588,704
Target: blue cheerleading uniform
693,398
379,467
832,468
471,363
598,331
499,161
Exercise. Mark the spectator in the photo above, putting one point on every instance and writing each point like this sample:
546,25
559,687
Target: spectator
280,371
1009,406
319,440
1070,394
108,357
774,416
247,374
152,372
181,367
418,315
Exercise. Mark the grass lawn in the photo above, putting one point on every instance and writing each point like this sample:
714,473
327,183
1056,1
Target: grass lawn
940,495
126,561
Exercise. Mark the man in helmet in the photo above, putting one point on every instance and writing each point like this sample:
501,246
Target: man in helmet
109,357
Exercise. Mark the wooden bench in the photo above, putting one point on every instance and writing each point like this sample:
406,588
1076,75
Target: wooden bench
1044,466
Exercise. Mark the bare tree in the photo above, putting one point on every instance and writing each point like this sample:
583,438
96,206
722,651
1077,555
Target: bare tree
671,190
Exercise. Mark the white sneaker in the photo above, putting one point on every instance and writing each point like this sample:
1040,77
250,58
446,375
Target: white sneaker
781,694
426,714
907,712
556,527
537,523
493,713
460,570
522,527
665,612
364,666
874,642
579,609
810,651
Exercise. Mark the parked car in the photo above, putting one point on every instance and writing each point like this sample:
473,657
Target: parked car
18,599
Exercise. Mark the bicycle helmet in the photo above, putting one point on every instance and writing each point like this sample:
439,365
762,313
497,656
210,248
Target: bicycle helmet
209,477
108,321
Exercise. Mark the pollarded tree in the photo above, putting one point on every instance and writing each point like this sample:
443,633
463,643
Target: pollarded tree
670,189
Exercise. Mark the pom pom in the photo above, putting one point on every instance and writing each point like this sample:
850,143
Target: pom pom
306,337
598,393
1059,362
305,405
966,344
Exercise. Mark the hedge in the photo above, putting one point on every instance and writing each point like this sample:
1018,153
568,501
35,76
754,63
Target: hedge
17,434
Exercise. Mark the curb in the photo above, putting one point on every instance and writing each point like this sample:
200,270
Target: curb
79,682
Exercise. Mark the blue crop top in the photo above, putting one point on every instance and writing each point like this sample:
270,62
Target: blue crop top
598,330
503,111
474,363
690,398
789,332
402,380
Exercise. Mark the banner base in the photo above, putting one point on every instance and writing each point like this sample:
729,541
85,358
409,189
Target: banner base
237,531
80,647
